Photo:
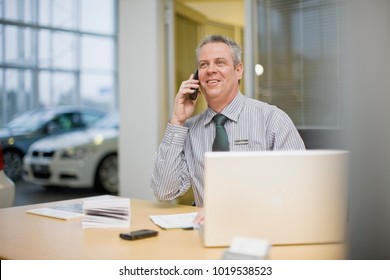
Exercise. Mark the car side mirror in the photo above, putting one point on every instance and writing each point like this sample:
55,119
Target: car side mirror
52,127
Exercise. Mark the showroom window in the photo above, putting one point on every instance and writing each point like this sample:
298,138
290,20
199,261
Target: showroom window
55,52
298,60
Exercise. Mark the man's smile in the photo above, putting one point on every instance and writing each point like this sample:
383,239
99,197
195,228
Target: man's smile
213,82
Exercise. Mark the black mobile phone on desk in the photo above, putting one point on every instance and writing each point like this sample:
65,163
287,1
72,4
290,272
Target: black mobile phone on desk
194,95
138,234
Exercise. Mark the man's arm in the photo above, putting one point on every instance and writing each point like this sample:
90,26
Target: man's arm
283,133
170,176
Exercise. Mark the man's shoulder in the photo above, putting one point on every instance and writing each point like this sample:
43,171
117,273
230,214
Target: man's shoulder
256,104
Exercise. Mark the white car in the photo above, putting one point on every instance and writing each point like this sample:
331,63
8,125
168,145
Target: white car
87,158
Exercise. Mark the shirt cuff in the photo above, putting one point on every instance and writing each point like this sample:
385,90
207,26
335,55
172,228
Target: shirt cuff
175,135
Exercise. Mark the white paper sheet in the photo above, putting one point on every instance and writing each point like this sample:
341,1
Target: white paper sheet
182,221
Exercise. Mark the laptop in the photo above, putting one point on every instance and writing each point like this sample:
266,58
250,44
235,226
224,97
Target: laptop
285,197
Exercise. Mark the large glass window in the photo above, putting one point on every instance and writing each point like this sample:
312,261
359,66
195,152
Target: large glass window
55,52
57,88
95,54
96,9
58,49
11,44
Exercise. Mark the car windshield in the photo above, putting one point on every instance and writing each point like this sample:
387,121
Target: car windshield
30,121
110,121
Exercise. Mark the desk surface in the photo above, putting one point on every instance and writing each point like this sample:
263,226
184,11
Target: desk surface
26,236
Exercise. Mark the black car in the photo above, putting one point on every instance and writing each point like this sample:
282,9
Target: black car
17,136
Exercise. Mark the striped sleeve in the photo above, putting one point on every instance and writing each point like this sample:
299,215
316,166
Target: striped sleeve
170,177
282,133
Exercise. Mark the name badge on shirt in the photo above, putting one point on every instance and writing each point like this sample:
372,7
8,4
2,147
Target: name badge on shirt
241,142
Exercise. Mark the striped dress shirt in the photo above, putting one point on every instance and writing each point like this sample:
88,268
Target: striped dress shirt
252,125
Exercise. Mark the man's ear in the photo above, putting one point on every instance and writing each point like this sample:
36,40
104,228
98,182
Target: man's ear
239,70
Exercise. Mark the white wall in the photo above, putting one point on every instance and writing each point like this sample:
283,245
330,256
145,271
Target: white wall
140,67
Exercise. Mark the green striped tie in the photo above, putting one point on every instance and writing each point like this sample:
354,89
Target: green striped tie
221,141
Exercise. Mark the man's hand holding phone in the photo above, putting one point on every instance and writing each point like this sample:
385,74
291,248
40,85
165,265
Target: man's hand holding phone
184,104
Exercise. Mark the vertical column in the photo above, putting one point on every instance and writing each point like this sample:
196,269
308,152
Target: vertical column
141,92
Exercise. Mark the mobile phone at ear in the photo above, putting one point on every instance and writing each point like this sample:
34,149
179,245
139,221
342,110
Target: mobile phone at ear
194,95
138,234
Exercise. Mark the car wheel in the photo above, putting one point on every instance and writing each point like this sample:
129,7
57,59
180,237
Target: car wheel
107,174
13,164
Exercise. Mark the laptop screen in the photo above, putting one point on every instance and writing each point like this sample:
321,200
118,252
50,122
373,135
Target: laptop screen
285,197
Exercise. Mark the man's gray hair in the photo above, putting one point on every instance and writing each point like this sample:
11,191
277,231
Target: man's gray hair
236,49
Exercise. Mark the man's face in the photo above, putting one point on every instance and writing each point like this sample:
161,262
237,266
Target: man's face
217,75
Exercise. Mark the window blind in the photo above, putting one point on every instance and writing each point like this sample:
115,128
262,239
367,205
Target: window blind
299,49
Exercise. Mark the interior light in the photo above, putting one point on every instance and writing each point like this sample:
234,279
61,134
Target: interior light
259,69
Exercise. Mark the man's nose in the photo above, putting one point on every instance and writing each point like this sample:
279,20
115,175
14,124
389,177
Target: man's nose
212,67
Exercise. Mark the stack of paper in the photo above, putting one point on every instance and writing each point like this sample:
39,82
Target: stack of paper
63,212
107,213
52,212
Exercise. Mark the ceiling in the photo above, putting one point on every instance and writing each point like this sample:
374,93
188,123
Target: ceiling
223,11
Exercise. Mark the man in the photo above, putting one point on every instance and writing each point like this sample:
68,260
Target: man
251,125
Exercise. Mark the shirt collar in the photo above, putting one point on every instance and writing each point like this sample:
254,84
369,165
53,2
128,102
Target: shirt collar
232,110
